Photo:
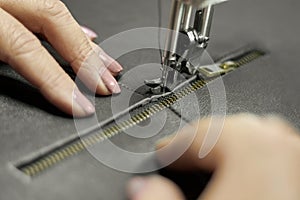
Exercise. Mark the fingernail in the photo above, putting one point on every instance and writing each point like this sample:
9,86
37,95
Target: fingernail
83,103
113,65
110,82
135,186
108,61
90,33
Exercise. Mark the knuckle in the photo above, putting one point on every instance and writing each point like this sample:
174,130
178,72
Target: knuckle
54,8
22,43
52,81
83,54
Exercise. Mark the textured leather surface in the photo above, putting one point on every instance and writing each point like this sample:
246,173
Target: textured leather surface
268,85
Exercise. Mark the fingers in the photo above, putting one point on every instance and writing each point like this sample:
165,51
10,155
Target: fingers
64,33
89,33
193,136
55,22
97,77
23,51
239,132
261,155
153,188
254,158
113,66
250,148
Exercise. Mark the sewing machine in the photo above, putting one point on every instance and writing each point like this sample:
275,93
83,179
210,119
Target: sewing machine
267,85
190,23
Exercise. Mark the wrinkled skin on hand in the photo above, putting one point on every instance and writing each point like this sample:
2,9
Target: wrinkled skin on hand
20,48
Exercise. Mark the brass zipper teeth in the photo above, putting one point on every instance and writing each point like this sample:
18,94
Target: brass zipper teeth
47,161
249,57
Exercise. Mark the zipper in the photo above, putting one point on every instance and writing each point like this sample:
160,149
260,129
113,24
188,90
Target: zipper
50,158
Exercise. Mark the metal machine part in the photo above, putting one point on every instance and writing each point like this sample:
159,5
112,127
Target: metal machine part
190,23
228,64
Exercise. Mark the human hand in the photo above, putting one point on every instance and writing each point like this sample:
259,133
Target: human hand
254,158
21,49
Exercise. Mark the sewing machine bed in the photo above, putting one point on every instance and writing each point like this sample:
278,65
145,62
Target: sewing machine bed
269,84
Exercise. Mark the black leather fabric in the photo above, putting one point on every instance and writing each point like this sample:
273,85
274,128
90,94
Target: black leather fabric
268,85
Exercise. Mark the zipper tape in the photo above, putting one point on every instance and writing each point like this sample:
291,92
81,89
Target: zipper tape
35,165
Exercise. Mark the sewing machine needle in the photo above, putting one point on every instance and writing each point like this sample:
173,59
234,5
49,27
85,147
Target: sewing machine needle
164,76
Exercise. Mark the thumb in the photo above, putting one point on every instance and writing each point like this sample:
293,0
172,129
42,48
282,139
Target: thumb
153,188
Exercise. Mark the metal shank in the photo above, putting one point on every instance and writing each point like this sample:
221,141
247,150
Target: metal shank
180,23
